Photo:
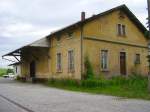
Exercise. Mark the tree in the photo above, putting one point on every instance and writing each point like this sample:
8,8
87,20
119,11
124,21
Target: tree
9,71
88,68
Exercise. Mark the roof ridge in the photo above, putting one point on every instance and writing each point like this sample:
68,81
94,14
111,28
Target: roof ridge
123,7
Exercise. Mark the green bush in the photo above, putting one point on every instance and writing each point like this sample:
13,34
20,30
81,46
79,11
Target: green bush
118,80
9,71
138,82
89,74
2,71
92,83
133,81
63,82
1,74
146,33
133,86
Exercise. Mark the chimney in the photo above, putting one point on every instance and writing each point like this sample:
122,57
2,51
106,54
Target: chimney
82,16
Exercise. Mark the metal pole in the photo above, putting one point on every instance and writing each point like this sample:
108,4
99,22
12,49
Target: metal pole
148,3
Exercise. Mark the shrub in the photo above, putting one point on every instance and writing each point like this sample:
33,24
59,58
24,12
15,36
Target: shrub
63,82
18,78
118,80
92,83
10,71
2,71
137,82
146,33
21,79
1,74
134,86
88,68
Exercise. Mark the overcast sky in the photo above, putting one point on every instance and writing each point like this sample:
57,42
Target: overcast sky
23,21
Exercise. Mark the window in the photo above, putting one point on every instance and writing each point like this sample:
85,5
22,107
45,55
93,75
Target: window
59,67
104,59
16,70
121,30
70,34
58,38
137,59
70,61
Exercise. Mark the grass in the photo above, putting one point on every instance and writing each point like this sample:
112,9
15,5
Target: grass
2,71
132,87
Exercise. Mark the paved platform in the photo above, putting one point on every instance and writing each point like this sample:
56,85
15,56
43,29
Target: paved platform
39,98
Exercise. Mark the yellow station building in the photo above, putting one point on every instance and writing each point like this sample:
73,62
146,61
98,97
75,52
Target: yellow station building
114,42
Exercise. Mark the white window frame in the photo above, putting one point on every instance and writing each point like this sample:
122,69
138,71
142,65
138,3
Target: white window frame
136,61
104,60
123,32
71,63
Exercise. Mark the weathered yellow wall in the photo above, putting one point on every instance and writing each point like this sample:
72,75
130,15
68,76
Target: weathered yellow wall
105,28
40,56
114,50
63,46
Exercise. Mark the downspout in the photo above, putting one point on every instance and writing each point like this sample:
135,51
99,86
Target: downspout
82,35
81,51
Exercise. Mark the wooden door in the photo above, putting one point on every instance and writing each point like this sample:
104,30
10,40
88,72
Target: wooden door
123,63
32,69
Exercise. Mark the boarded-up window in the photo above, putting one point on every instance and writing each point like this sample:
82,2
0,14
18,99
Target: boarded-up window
137,59
59,66
104,59
71,61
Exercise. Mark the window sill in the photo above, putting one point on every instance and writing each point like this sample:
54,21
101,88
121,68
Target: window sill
137,63
71,71
59,71
68,38
105,70
122,35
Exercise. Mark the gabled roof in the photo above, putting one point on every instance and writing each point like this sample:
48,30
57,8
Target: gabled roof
124,8
44,43
14,64
39,43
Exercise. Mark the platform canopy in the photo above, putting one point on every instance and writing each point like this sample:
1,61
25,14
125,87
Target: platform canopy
15,64
42,43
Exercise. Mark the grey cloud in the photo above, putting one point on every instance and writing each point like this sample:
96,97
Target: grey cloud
23,21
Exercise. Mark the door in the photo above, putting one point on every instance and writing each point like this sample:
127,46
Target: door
123,63
32,69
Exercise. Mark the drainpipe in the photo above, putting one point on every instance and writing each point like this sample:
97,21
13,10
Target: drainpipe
82,20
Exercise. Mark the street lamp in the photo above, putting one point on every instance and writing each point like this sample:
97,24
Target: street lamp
148,58
148,4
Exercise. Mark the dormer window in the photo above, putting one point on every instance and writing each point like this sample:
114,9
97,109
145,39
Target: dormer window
58,38
121,30
70,34
121,15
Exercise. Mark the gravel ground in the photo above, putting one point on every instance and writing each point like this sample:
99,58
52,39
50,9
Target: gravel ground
39,98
